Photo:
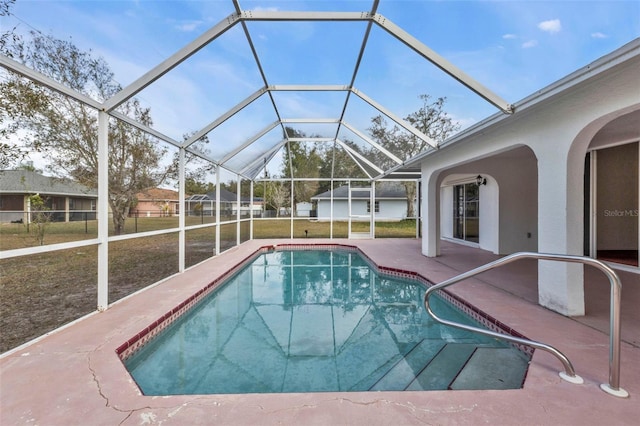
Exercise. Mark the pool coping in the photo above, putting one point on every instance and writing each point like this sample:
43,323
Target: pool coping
73,375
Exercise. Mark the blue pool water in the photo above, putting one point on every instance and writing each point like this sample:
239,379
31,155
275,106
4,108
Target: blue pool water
313,321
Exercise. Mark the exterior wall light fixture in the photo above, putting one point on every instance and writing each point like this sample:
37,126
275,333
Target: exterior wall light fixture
481,181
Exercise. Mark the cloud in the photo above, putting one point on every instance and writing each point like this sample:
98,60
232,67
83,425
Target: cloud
529,44
509,36
465,122
188,26
599,35
551,26
265,9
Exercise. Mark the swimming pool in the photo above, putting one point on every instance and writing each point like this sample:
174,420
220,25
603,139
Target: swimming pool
313,321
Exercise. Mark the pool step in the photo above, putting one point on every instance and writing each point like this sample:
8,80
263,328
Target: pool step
455,366
405,370
443,369
492,368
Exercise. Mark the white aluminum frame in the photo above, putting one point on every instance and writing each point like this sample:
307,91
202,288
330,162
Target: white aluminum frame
108,109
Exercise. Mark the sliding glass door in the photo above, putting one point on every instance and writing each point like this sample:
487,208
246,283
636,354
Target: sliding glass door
613,198
466,212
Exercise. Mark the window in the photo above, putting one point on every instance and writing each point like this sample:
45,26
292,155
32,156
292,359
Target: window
376,206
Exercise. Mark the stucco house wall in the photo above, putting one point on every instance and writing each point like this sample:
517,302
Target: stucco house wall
156,202
538,189
392,204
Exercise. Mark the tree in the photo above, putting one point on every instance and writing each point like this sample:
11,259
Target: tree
430,119
302,161
193,186
6,37
40,216
197,169
230,185
66,131
5,5
28,167
277,195
9,153
337,163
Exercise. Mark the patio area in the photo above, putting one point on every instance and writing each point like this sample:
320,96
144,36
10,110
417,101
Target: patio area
73,375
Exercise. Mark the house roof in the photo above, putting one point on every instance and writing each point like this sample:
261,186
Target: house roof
382,192
29,182
158,194
226,196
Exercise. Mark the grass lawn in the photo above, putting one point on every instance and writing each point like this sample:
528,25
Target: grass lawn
281,228
41,292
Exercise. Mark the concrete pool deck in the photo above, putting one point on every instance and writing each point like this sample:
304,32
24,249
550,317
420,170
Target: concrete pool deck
73,376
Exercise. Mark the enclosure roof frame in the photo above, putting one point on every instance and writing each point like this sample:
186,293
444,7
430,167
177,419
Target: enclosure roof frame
243,16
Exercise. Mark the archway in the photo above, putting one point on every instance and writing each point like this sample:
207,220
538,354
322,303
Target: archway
612,192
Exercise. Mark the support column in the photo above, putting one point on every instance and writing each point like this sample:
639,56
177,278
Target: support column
238,203
217,251
372,202
291,204
330,210
430,209
349,209
418,212
103,210
27,209
181,217
560,231
66,209
251,209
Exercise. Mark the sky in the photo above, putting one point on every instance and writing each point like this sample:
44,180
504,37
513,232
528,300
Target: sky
514,48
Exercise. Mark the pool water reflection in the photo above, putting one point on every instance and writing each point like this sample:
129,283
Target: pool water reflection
308,321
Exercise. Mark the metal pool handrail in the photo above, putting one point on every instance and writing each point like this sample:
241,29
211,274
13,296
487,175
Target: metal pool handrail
613,387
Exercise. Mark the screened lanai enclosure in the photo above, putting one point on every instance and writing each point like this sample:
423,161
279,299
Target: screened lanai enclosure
271,123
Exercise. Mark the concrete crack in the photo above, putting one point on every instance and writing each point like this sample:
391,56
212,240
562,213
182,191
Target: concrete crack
96,381
127,417
128,413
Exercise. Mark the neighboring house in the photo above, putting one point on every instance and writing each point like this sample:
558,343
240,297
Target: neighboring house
204,204
390,203
304,209
67,200
156,202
